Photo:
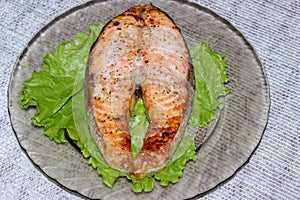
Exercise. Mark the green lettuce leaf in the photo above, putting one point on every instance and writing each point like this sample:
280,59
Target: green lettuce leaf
146,184
185,152
57,93
210,76
138,125
52,88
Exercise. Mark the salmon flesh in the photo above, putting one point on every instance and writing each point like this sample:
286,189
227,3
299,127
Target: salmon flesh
140,53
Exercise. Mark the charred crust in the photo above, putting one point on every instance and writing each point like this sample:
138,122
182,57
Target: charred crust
117,118
125,143
151,21
116,23
164,137
165,134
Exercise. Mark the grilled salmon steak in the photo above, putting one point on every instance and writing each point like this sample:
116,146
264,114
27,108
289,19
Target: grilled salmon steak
140,53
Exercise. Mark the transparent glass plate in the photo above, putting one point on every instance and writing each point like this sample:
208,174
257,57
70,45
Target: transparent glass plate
224,145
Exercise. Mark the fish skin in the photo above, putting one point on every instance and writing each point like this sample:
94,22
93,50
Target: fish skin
141,49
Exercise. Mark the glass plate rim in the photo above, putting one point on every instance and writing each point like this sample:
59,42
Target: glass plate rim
91,2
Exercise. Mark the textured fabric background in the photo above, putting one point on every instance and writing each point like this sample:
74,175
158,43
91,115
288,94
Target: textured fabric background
272,27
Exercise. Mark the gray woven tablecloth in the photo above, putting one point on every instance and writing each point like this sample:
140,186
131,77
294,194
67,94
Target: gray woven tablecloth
272,27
